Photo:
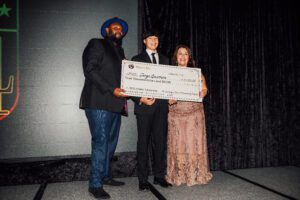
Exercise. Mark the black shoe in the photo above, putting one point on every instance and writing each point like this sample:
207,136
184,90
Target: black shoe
99,193
162,182
144,186
113,182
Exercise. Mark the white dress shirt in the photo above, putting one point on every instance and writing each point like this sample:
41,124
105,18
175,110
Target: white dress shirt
149,52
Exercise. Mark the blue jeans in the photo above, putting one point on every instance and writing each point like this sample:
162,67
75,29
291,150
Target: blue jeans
104,128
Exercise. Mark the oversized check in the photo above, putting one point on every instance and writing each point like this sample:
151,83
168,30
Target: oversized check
161,81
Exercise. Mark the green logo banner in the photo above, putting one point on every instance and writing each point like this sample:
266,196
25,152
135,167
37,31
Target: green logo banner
9,56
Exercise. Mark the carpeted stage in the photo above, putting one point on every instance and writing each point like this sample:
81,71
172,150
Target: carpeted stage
272,183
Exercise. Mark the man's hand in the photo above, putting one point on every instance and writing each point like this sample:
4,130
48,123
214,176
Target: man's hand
119,92
147,101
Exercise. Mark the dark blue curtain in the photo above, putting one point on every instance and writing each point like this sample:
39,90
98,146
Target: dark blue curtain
249,52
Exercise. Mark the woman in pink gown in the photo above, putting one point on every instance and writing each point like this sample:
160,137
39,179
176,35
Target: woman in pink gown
187,156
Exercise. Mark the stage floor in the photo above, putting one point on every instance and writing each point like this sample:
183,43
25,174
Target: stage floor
272,183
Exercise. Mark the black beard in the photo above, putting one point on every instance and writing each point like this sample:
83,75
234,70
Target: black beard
117,41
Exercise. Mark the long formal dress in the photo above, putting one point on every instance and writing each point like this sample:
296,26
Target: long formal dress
187,156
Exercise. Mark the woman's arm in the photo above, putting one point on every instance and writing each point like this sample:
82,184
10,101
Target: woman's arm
204,86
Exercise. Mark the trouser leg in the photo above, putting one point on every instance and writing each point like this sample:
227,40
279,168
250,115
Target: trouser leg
159,143
112,143
100,123
144,130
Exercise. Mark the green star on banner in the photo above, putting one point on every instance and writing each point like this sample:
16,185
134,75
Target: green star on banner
4,10
8,14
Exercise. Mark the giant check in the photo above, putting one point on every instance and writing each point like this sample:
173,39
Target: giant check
161,81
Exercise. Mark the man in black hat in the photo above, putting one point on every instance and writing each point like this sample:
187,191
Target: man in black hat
151,115
103,101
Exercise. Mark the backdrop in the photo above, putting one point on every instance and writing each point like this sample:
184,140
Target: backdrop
249,52
46,38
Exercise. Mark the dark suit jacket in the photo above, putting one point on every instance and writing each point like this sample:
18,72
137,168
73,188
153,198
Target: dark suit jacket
159,103
101,62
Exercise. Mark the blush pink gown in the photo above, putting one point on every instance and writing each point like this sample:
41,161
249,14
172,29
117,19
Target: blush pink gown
187,156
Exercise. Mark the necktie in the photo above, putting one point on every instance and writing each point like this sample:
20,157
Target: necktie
153,58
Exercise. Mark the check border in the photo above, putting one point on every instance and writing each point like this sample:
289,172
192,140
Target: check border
189,95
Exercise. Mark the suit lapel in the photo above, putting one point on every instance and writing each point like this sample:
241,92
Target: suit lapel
113,55
112,50
146,57
160,59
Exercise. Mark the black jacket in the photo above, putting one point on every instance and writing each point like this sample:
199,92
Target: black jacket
101,62
159,103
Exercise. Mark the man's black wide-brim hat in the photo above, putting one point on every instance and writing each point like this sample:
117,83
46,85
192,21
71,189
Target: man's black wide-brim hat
114,20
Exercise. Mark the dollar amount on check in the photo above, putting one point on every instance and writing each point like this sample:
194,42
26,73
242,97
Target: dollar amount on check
161,81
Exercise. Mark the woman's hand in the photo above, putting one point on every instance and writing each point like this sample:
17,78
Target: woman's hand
171,101
203,92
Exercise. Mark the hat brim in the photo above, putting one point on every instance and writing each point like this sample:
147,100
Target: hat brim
114,20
